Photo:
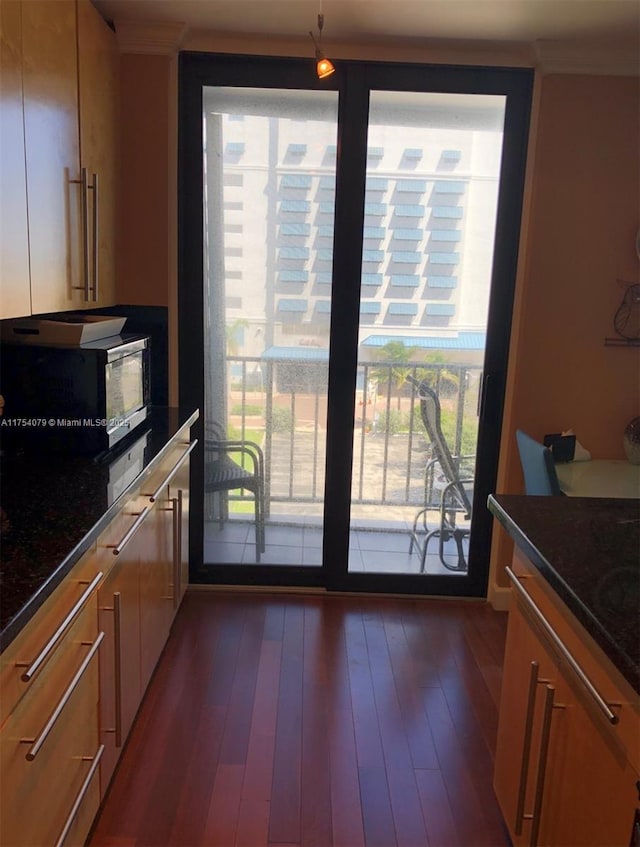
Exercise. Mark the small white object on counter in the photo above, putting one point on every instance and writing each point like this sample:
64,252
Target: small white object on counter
600,478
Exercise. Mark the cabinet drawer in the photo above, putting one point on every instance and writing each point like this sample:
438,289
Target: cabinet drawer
48,642
168,470
57,790
600,672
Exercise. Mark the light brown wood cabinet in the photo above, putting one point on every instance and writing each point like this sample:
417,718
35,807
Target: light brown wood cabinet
15,293
566,763
98,83
59,135
72,680
138,601
49,744
119,619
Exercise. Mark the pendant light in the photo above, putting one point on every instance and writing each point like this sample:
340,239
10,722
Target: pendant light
324,66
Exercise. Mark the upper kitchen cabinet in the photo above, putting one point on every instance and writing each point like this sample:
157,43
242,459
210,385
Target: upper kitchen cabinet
62,81
15,295
52,147
98,68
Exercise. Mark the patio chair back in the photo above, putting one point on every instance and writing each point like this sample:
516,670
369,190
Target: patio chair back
431,418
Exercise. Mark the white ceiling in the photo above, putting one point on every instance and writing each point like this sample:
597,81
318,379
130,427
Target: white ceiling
362,20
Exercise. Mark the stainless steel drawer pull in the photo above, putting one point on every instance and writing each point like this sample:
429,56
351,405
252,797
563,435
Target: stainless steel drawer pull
545,735
562,649
176,503
153,497
81,794
117,655
96,240
118,548
526,747
39,741
57,636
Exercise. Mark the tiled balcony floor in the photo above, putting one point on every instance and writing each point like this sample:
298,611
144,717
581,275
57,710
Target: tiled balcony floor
379,550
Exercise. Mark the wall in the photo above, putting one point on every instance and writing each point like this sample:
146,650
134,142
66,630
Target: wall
584,214
143,255
581,215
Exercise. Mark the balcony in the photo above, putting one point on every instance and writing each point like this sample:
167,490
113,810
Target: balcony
281,405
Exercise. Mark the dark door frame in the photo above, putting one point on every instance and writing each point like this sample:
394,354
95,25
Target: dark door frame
353,80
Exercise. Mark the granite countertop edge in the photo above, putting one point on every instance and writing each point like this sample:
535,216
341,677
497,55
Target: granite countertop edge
44,591
582,612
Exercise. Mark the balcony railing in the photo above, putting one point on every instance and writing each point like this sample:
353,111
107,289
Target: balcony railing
282,404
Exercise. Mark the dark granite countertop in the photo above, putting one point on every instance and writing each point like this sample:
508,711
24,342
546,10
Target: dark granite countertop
588,550
54,506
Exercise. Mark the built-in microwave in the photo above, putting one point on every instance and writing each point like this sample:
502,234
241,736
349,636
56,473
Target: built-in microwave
83,398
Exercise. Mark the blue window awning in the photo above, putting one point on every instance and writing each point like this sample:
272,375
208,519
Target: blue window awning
372,280
444,258
439,309
372,255
295,206
377,232
378,209
292,305
403,309
376,183
442,281
294,229
406,258
407,234
323,306
295,181
449,186
293,252
234,148
459,341
370,307
292,276
412,153
446,235
454,212
417,186
409,211
404,280
295,354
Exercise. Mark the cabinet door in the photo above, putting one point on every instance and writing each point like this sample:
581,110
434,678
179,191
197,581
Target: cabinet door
590,794
48,746
529,668
50,81
120,694
98,68
179,490
15,293
156,596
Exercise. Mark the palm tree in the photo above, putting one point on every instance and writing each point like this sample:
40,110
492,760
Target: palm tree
396,368
234,335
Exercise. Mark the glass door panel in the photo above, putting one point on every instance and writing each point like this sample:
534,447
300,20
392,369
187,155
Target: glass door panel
269,194
432,180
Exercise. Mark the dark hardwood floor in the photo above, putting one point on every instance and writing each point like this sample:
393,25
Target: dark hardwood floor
315,720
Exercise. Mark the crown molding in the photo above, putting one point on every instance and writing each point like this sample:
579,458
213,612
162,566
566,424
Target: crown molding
162,38
562,57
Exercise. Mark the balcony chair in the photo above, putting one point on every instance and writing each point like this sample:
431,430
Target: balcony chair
453,488
538,466
223,474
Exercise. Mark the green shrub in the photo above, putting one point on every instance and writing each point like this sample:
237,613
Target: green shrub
281,420
393,423
247,409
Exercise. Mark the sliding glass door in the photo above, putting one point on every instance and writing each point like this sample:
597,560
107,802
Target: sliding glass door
348,252
431,192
